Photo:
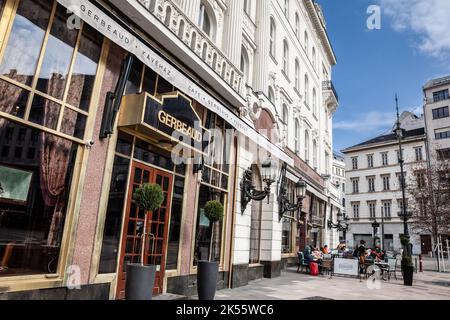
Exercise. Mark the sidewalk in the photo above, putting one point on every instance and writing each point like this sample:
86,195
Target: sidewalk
295,286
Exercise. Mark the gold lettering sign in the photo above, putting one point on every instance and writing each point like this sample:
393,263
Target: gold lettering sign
179,126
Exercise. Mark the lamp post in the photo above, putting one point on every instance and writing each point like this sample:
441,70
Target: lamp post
400,132
375,226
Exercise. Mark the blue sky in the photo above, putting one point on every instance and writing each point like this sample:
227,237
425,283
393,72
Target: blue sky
412,47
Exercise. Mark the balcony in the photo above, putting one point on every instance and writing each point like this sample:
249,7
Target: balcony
193,37
331,97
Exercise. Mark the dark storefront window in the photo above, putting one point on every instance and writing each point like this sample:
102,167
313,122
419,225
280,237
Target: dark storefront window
287,225
203,245
35,176
175,224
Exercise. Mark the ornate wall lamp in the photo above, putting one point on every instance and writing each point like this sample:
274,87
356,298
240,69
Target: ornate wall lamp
285,205
341,225
248,190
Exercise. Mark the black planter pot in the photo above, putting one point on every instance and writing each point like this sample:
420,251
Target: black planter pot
408,272
139,282
207,273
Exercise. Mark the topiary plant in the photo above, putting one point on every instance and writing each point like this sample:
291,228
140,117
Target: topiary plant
407,261
213,210
148,197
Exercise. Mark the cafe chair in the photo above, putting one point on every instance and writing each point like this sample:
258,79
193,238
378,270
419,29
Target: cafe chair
302,263
327,265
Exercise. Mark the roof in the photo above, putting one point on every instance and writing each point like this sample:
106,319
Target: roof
437,82
392,137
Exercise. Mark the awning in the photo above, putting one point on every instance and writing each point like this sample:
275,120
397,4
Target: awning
126,39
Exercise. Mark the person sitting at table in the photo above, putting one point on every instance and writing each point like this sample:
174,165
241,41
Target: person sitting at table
377,254
307,254
325,249
317,255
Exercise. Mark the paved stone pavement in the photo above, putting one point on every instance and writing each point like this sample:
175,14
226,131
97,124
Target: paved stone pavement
296,286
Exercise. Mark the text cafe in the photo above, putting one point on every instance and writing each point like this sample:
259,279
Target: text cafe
72,152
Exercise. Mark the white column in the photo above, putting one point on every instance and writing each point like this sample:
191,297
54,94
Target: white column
232,41
261,77
191,8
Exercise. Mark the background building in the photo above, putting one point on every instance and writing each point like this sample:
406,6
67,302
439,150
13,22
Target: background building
373,189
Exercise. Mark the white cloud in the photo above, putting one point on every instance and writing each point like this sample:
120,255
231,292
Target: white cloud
430,19
368,122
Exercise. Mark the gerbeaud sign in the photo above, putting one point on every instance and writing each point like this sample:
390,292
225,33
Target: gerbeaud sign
119,35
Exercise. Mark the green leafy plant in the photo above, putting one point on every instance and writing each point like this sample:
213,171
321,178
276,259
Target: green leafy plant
214,211
404,240
148,197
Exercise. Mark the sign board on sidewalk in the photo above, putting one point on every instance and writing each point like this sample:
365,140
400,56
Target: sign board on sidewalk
346,266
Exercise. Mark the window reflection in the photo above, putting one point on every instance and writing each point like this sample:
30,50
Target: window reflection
25,41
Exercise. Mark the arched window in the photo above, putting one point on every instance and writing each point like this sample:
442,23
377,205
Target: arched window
307,146
297,136
297,25
271,96
168,16
306,89
273,32
314,102
181,29
297,75
245,64
313,61
306,43
315,155
193,41
206,21
285,57
285,114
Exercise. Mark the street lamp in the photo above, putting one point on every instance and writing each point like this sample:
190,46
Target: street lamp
341,224
284,203
375,226
248,190
400,132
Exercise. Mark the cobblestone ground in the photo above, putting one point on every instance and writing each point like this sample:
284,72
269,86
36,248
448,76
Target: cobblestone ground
428,285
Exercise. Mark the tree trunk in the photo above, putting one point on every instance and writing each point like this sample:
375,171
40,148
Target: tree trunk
212,241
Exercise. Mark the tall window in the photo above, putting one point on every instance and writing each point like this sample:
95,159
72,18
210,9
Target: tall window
205,21
355,185
372,209
297,25
418,152
440,113
285,114
314,59
307,146
285,57
384,159
297,75
370,161
327,162
271,96
306,42
371,183
273,32
386,209
386,183
306,93
355,207
315,155
314,102
355,163
297,136
245,64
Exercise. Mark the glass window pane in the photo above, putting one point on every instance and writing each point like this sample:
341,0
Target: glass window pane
33,200
73,123
13,100
85,68
44,112
25,41
58,55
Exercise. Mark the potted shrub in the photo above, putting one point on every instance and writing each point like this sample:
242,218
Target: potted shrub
207,271
140,278
407,264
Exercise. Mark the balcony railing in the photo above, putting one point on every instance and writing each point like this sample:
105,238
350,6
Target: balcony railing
328,85
195,38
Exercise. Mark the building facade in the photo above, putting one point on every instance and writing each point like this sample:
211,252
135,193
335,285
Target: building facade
373,192
437,118
99,98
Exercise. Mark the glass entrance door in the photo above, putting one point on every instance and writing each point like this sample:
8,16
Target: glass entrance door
157,225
